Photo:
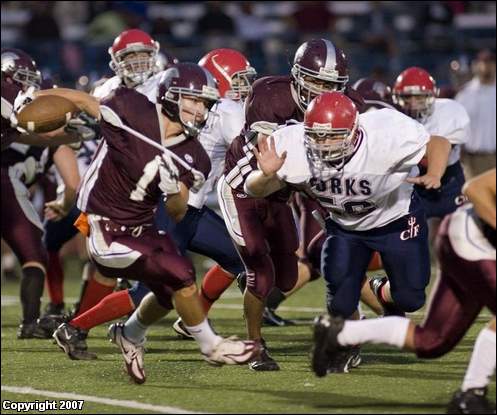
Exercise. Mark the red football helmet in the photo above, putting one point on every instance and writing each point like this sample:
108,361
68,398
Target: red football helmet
415,91
133,56
20,68
330,125
318,66
232,71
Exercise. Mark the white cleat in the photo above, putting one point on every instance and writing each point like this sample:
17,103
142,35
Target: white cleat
132,352
231,351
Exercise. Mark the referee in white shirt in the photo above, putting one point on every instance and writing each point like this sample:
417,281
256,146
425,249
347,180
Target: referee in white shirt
478,97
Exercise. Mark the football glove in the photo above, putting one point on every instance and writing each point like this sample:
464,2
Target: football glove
169,175
198,180
85,126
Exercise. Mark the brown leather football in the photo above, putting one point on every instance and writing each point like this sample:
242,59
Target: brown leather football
46,113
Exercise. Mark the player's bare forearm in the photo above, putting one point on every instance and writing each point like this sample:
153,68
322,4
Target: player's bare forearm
259,185
481,192
437,153
82,100
45,139
67,165
177,204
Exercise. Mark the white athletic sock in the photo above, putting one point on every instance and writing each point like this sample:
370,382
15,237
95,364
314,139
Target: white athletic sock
482,364
205,336
134,329
387,330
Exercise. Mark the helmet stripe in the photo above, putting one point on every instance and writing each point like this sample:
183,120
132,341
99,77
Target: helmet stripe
331,57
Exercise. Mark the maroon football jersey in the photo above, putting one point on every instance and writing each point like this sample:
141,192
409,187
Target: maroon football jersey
122,182
28,163
9,94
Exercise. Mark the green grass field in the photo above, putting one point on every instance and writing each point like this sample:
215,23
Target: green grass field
388,381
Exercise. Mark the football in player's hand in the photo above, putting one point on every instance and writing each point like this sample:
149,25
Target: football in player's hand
46,113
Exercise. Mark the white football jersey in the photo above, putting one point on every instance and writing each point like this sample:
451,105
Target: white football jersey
450,120
466,236
370,191
224,124
107,87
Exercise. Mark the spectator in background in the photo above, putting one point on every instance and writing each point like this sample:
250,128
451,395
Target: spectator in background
106,25
215,21
42,25
313,18
478,97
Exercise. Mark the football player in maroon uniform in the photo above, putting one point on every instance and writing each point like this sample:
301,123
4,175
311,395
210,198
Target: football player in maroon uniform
119,194
264,229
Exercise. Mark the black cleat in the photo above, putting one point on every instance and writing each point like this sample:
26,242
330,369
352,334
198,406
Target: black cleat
54,309
390,309
73,341
49,323
327,356
31,331
473,401
263,362
270,318
122,284
241,281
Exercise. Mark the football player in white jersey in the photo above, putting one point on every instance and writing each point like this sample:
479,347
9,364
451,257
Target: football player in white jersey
357,167
416,94
466,251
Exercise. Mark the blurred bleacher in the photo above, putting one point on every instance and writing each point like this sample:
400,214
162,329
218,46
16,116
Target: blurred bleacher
69,40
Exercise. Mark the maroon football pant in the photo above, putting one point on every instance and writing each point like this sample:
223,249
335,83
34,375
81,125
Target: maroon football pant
464,288
21,225
158,262
270,237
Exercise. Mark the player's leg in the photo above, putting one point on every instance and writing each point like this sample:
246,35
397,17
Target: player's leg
55,236
405,254
22,231
211,239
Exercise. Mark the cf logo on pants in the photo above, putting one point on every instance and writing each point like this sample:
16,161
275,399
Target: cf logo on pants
413,230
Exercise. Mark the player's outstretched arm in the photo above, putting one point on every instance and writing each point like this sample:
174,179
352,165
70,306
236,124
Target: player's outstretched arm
67,165
437,154
263,182
481,192
82,100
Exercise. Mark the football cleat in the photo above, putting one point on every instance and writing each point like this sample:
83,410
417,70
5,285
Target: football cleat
72,340
327,356
132,352
50,322
473,401
182,331
264,362
231,351
270,318
390,309
54,309
355,357
31,331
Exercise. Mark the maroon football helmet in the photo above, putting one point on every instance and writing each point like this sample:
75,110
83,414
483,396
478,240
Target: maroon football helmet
186,80
371,89
319,66
20,68
330,126
165,61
